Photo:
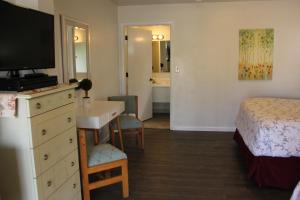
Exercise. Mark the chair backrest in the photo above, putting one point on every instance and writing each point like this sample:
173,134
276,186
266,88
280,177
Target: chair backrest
131,103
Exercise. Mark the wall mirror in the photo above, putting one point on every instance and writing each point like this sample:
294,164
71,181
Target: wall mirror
161,59
75,49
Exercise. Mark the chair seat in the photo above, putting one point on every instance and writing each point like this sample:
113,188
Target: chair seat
129,122
103,153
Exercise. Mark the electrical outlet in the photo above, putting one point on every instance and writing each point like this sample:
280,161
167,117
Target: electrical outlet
177,70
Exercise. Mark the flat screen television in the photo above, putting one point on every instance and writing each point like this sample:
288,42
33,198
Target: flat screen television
26,38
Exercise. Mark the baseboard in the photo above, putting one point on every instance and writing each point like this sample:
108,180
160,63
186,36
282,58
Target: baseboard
203,128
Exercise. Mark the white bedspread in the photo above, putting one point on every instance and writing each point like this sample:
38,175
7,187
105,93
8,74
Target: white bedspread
296,193
270,126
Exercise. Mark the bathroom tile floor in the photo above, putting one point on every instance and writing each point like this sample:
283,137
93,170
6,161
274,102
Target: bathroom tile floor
159,121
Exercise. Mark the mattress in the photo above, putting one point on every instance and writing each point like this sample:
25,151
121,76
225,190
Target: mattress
270,126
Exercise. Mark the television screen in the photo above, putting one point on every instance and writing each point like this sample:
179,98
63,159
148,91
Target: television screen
26,38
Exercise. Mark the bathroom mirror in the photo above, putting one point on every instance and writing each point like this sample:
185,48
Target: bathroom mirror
161,56
75,48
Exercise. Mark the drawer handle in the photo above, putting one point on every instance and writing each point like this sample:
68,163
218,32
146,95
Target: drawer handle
114,114
70,140
72,164
69,119
74,185
69,96
46,157
38,105
49,183
44,131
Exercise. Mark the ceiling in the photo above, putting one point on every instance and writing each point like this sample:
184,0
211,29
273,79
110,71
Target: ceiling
145,2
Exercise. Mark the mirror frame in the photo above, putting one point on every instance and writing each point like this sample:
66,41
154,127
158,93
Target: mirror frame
65,21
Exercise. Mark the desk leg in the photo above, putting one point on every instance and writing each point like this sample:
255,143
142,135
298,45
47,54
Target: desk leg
84,164
120,133
96,136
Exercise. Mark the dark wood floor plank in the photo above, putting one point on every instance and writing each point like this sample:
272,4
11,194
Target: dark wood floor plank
186,166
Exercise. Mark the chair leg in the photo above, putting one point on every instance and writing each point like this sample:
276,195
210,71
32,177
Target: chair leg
125,185
138,140
112,134
142,137
120,133
83,163
96,136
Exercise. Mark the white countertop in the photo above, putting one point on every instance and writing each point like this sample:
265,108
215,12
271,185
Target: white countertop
160,85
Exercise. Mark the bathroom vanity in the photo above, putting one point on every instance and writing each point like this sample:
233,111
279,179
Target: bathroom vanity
161,92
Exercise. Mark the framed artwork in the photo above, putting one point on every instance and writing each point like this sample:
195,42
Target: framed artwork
256,54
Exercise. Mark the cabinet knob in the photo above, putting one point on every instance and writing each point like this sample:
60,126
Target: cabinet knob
69,119
70,140
44,131
46,157
69,96
72,164
38,105
49,183
74,185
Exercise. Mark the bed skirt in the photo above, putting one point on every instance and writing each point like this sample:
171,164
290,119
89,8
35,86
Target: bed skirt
268,171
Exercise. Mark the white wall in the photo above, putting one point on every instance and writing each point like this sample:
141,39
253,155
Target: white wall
205,45
101,15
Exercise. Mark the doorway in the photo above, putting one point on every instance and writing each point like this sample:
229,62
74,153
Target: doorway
147,64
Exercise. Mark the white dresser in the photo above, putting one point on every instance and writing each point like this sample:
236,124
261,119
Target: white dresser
38,148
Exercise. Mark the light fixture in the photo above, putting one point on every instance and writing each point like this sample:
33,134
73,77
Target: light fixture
158,37
76,38
154,37
161,37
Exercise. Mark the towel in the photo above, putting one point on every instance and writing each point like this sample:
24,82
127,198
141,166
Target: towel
8,105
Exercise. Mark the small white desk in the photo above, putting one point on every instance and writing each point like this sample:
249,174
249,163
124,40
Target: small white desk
98,113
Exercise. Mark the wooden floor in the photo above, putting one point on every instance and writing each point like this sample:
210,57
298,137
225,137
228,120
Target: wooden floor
186,166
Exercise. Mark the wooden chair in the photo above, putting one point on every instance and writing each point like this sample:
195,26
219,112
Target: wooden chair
99,158
128,121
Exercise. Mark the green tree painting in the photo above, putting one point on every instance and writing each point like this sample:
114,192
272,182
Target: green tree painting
256,54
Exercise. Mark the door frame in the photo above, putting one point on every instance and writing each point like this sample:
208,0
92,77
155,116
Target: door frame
122,71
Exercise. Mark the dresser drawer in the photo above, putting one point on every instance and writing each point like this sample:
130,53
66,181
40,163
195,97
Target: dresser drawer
70,190
71,163
77,196
46,155
53,178
51,124
49,102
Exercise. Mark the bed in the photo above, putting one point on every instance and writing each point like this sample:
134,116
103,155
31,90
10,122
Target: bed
296,193
268,134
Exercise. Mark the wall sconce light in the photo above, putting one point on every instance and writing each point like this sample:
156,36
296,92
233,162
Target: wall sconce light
154,37
158,37
76,38
161,37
